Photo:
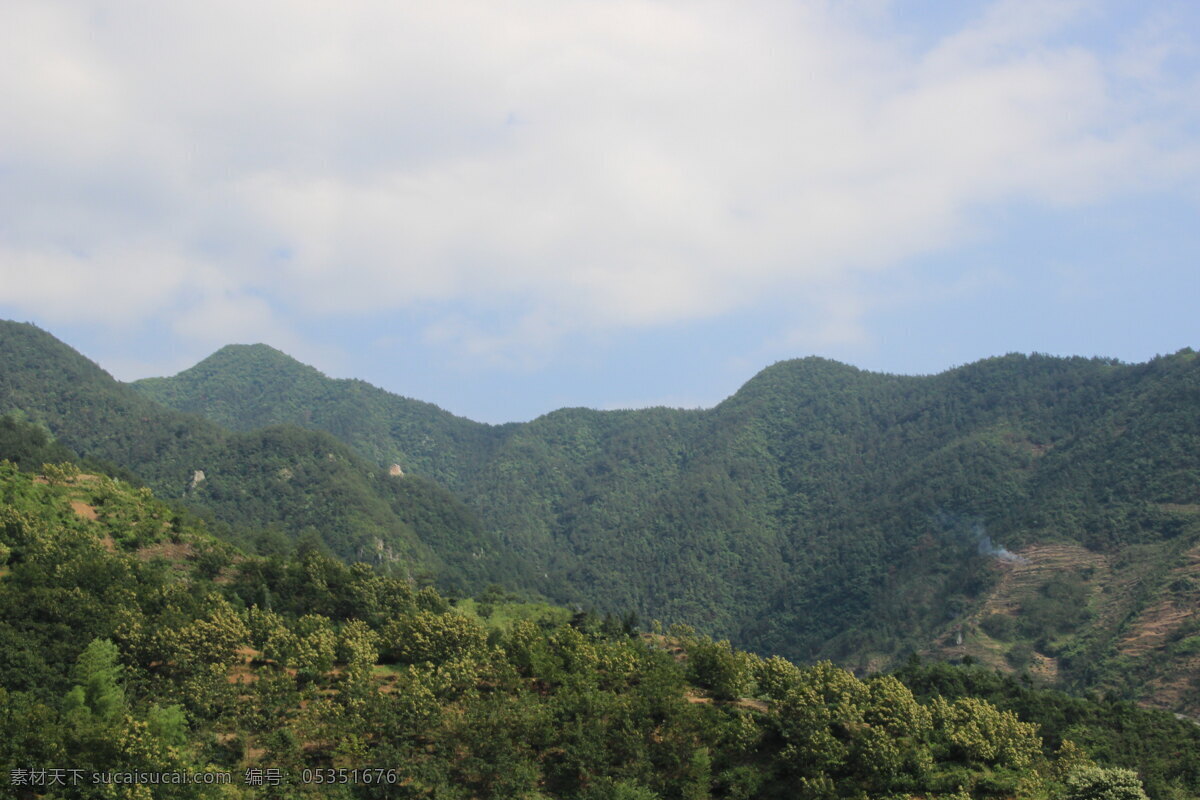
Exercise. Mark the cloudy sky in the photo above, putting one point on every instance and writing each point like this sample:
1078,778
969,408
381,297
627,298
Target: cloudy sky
508,206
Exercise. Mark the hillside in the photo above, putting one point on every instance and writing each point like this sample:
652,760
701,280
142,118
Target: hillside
821,511
271,480
1125,620
137,644
245,387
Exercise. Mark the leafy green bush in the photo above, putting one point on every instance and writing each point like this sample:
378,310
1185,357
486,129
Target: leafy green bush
999,626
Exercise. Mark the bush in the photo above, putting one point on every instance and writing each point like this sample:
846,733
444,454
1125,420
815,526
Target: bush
1097,783
1020,655
999,626
716,666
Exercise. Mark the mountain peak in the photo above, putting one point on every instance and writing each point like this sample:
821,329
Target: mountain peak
232,378
256,356
798,377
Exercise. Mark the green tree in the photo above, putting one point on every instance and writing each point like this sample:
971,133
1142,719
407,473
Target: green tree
315,645
60,474
776,676
427,636
978,732
716,666
1098,783
207,645
98,689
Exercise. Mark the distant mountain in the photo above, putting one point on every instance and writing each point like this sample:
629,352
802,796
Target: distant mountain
282,478
821,510
244,387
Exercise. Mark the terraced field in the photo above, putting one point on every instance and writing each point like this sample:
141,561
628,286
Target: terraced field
1131,617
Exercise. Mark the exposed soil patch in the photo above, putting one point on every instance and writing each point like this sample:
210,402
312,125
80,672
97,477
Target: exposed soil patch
1153,627
241,674
692,696
84,510
751,703
175,552
83,477
1044,668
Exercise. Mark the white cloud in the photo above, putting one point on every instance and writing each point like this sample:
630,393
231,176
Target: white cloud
111,285
616,164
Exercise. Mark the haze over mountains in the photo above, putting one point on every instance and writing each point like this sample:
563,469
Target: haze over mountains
821,511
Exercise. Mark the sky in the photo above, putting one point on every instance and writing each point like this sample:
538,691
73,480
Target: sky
510,206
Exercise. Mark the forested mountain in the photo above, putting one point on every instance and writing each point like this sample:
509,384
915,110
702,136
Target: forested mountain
142,657
275,479
244,387
824,511
820,512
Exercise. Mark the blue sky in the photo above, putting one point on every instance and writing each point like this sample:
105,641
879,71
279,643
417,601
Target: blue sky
507,207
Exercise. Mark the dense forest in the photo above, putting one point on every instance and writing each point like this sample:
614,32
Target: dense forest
1033,514
144,656
827,512
276,482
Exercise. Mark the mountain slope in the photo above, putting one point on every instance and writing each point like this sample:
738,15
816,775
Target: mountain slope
244,387
285,477
819,511
133,644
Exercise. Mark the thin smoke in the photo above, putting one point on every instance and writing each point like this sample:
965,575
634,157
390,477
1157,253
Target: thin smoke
989,548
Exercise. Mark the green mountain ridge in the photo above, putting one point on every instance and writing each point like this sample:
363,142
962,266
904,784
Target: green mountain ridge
277,478
244,387
821,510
135,646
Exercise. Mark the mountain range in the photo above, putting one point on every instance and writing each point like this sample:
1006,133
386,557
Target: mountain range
1038,514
